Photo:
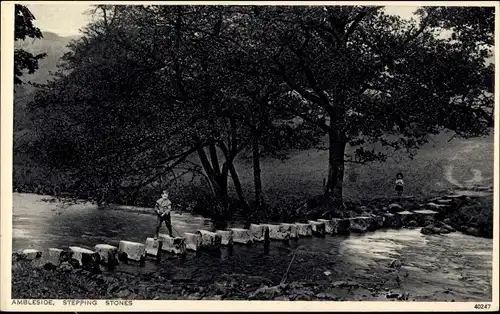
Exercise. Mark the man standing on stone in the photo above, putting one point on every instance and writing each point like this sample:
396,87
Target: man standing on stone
163,208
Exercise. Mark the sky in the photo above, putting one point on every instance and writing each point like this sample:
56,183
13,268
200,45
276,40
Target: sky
63,19
68,18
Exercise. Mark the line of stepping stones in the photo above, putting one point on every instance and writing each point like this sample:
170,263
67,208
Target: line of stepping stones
203,240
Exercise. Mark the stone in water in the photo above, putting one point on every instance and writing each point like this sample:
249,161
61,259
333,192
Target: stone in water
107,253
175,245
329,225
209,240
54,256
31,254
278,232
242,236
152,246
260,233
294,233
304,230
318,228
87,259
226,237
193,241
132,250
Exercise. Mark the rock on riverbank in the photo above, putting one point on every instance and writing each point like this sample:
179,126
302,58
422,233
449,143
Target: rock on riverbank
470,212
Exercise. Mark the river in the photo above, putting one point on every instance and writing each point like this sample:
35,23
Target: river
447,267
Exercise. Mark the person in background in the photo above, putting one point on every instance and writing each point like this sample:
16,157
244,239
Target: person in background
163,208
399,184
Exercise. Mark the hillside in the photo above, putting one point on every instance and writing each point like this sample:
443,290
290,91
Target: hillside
55,47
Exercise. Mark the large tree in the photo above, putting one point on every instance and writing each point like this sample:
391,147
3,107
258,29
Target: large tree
25,61
367,77
122,112
470,25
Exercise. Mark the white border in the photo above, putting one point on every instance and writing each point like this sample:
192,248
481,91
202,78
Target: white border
7,17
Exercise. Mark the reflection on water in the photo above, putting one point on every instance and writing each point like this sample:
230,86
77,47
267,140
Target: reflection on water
44,225
461,263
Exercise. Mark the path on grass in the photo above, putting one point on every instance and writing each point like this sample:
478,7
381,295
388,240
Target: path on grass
465,177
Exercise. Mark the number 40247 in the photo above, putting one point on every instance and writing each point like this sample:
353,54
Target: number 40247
482,306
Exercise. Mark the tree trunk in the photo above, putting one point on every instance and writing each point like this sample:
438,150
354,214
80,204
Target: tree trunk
237,186
256,171
217,182
215,160
222,181
335,179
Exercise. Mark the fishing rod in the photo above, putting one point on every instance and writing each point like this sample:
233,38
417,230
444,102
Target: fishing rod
283,279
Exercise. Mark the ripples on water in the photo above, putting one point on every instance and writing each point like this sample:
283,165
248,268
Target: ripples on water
460,262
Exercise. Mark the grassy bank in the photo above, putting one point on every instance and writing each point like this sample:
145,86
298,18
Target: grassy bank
228,279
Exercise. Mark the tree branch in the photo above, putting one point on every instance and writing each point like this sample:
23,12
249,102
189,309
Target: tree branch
423,26
305,117
356,22
180,157
325,102
308,95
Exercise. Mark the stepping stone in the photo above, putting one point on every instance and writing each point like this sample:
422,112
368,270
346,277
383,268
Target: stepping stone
152,246
425,212
318,228
361,224
425,217
378,222
392,221
406,216
87,259
54,256
209,240
242,236
329,225
31,254
443,201
226,237
278,232
404,212
393,208
342,226
175,245
436,199
454,196
132,251
108,253
260,233
294,233
437,206
431,229
193,241
304,230
27,255
444,227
